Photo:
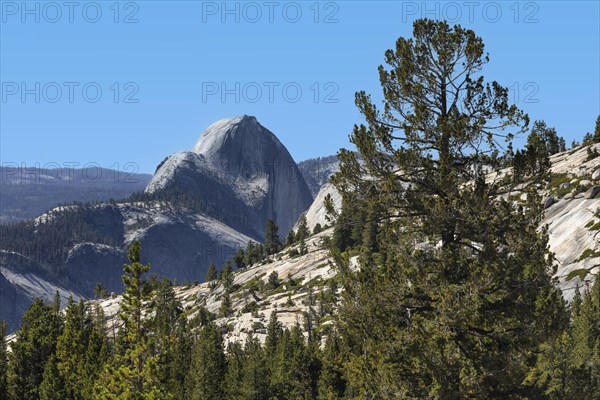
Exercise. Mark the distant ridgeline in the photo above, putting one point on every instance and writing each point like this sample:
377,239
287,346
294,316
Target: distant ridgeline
316,171
28,191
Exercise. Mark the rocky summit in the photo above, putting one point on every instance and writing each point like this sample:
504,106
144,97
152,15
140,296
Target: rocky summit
239,166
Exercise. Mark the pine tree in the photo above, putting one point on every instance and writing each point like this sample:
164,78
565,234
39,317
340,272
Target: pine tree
597,130
542,142
536,154
332,384
369,235
462,297
249,257
56,302
53,386
100,291
211,273
259,253
225,307
97,350
274,331
302,247
280,372
34,346
290,376
553,373
273,280
254,385
227,276
71,349
317,229
548,136
290,239
236,360
133,374
208,367
302,232
171,339
585,355
566,366
3,361
314,364
271,243
341,239
239,259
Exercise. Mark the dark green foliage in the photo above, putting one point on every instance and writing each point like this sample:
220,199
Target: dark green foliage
208,366
289,375
172,339
534,160
211,273
293,253
133,372
225,308
34,347
317,229
274,281
585,330
568,367
460,296
239,259
254,254
235,359
97,352
348,231
70,351
254,385
332,383
271,243
302,232
248,257
100,291
227,276
290,238
3,362
203,317
596,138
302,248
52,386
550,140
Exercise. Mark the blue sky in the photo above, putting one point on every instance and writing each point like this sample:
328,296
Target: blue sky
167,70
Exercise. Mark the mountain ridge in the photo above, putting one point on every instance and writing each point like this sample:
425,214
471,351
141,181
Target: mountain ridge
191,213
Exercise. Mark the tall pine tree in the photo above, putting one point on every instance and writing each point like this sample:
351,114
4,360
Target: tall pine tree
133,373
463,297
271,244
